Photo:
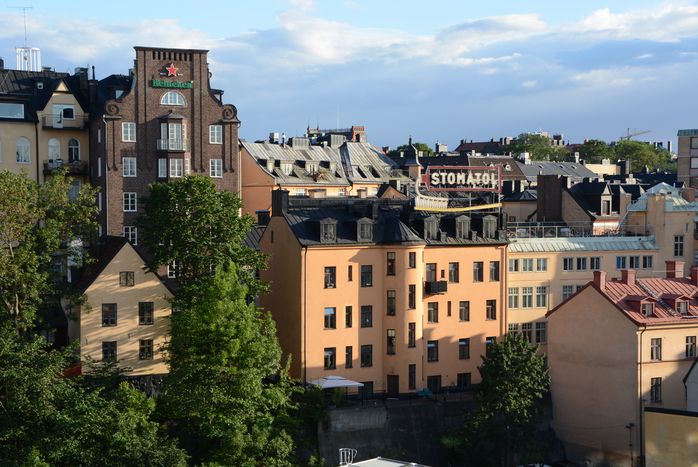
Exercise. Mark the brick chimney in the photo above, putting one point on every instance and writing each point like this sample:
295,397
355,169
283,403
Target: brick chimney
694,275
600,279
628,276
279,202
674,269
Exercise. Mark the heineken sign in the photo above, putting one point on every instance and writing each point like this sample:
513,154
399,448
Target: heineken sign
161,83
463,178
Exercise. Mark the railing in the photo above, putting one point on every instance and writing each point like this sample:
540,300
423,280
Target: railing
73,168
59,121
573,229
172,145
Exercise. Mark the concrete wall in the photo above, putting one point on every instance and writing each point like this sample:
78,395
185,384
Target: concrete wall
671,439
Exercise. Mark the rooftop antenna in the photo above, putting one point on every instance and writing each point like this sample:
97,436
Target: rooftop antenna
24,14
28,58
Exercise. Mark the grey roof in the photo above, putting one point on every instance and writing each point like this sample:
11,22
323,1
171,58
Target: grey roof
581,244
673,200
253,236
364,162
570,169
526,195
511,170
384,462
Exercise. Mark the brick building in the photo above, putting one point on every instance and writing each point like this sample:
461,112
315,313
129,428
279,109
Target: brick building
160,121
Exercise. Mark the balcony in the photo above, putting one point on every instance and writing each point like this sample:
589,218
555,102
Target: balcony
574,229
59,122
172,145
77,168
435,287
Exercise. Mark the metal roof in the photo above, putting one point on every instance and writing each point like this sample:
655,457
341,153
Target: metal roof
581,244
570,169
673,200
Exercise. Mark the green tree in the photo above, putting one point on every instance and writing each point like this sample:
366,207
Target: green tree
35,223
189,221
514,380
594,151
643,155
539,147
426,150
219,399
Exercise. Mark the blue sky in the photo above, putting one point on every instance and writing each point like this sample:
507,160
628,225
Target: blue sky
438,70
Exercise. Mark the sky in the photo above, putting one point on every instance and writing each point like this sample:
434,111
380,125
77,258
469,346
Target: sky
437,70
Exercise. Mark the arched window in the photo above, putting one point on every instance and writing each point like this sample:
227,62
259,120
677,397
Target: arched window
54,149
73,150
23,150
172,98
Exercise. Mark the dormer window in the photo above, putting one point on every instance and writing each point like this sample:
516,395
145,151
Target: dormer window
462,227
431,228
270,164
328,231
682,306
489,226
286,168
311,167
647,309
365,230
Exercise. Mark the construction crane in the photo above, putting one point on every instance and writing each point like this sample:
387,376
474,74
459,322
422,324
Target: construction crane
629,134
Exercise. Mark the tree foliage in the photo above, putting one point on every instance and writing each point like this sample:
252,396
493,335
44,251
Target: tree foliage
218,398
539,147
36,221
594,151
514,380
643,155
426,150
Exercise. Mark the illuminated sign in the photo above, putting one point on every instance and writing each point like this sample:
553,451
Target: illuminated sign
161,83
463,178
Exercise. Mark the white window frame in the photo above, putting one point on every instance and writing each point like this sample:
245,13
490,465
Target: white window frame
130,201
23,150
215,134
128,166
128,132
176,168
526,297
54,149
130,233
513,297
173,98
162,168
216,168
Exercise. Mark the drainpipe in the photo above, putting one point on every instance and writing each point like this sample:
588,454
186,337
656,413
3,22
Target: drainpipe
36,145
105,203
641,460
305,314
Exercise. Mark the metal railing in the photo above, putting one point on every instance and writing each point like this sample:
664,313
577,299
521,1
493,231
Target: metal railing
573,229
172,145
59,121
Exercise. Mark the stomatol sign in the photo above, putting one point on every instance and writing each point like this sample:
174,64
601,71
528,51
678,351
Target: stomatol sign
463,178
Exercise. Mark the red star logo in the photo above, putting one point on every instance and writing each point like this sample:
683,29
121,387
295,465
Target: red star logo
171,70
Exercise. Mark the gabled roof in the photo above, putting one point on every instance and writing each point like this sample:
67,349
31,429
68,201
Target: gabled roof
571,169
609,243
673,201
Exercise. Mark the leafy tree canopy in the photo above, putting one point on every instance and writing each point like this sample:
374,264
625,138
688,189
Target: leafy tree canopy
594,151
643,155
539,147
423,147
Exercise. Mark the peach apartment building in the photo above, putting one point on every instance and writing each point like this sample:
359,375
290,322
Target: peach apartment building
615,348
378,293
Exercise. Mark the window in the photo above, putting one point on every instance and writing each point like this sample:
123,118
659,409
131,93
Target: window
513,265
432,351
541,296
109,351
390,266
647,309
690,346
542,332
463,380
328,232
541,264
390,340
145,313
513,328
464,349
513,295
348,318
434,383
330,358
581,264
54,149
366,275
74,190
412,296
172,98
489,343
656,390
595,263
130,202
412,259
350,273
453,272
349,357
390,302
478,267
678,245
411,334
366,316
215,134
129,166
22,146
216,168
365,231
411,376
145,349
621,262
433,312
366,355
431,272
656,349
464,310
647,262
634,262
491,309
11,110
527,331
527,297
126,279
174,269
131,234
567,264
567,291
73,150
682,306
330,277
128,132
462,227
176,168
527,265
162,168
108,314
494,271
330,317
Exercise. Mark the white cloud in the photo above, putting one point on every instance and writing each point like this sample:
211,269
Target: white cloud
644,56
302,4
617,77
530,84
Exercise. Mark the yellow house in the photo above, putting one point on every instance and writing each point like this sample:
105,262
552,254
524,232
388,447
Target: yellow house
671,437
615,348
126,314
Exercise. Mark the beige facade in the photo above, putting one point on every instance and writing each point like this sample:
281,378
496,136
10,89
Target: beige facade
671,438
127,310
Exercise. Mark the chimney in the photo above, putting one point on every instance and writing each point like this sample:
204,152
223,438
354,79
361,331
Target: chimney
279,202
628,276
362,192
689,194
674,269
262,217
2,64
600,279
694,275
